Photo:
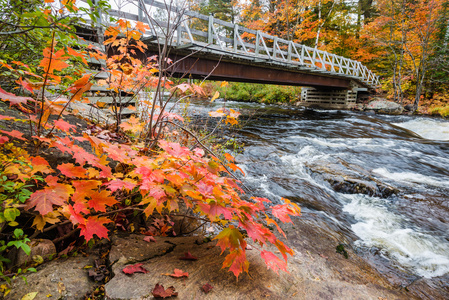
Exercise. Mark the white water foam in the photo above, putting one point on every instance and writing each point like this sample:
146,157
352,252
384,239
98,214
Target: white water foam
412,178
379,227
427,128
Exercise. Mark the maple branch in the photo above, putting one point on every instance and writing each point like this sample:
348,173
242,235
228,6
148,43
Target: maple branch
190,217
66,236
202,224
45,83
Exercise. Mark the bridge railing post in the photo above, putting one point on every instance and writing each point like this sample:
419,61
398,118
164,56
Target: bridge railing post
139,12
289,51
210,31
236,37
100,31
275,43
303,50
257,43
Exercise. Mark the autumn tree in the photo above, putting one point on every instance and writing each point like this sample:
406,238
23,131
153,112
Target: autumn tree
407,30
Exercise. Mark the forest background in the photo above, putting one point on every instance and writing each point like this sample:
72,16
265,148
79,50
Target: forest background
404,42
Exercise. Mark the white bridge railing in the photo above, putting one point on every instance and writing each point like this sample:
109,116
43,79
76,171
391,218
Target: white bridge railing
206,33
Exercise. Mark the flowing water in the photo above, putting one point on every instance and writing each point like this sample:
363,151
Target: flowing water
297,154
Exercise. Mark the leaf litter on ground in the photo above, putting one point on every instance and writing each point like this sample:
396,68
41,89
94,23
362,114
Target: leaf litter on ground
160,292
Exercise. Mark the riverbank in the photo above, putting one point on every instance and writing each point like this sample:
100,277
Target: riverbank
435,105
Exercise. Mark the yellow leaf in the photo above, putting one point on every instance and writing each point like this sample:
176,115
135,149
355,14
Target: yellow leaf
101,104
216,95
4,289
49,295
29,296
38,259
87,267
224,83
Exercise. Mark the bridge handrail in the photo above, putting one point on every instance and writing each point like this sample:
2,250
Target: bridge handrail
226,37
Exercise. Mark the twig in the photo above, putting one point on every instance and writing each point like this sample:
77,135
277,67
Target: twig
210,151
66,236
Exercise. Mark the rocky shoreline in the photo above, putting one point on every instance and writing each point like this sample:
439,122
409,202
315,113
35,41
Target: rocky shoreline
316,271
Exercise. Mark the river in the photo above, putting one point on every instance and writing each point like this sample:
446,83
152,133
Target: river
378,183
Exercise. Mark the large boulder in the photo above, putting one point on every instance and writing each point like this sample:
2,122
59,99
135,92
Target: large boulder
383,106
39,247
58,279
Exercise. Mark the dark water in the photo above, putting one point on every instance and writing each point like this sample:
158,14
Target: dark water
290,153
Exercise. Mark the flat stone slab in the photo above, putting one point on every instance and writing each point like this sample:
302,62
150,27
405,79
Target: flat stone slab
62,279
310,275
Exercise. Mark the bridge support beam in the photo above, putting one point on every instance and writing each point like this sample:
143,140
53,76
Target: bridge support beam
330,98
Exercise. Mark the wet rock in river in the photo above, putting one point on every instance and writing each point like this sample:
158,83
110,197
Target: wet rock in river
383,106
352,179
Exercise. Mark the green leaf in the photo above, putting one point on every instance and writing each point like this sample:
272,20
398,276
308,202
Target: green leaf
26,248
18,233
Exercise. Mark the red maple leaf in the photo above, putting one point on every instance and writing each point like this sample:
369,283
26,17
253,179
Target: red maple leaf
183,87
149,238
94,225
14,133
13,99
40,164
136,268
215,210
174,149
6,118
3,139
43,200
99,200
177,273
283,211
160,292
273,262
119,184
75,217
64,126
53,60
188,256
258,232
81,156
237,262
207,288
70,170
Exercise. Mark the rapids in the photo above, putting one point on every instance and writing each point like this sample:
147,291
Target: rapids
292,153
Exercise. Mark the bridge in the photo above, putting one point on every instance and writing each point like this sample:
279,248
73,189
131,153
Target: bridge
203,46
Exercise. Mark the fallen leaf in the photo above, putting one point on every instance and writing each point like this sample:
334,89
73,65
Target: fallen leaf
149,238
137,268
29,296
188,256
207,288
160,292
177,273
61,287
